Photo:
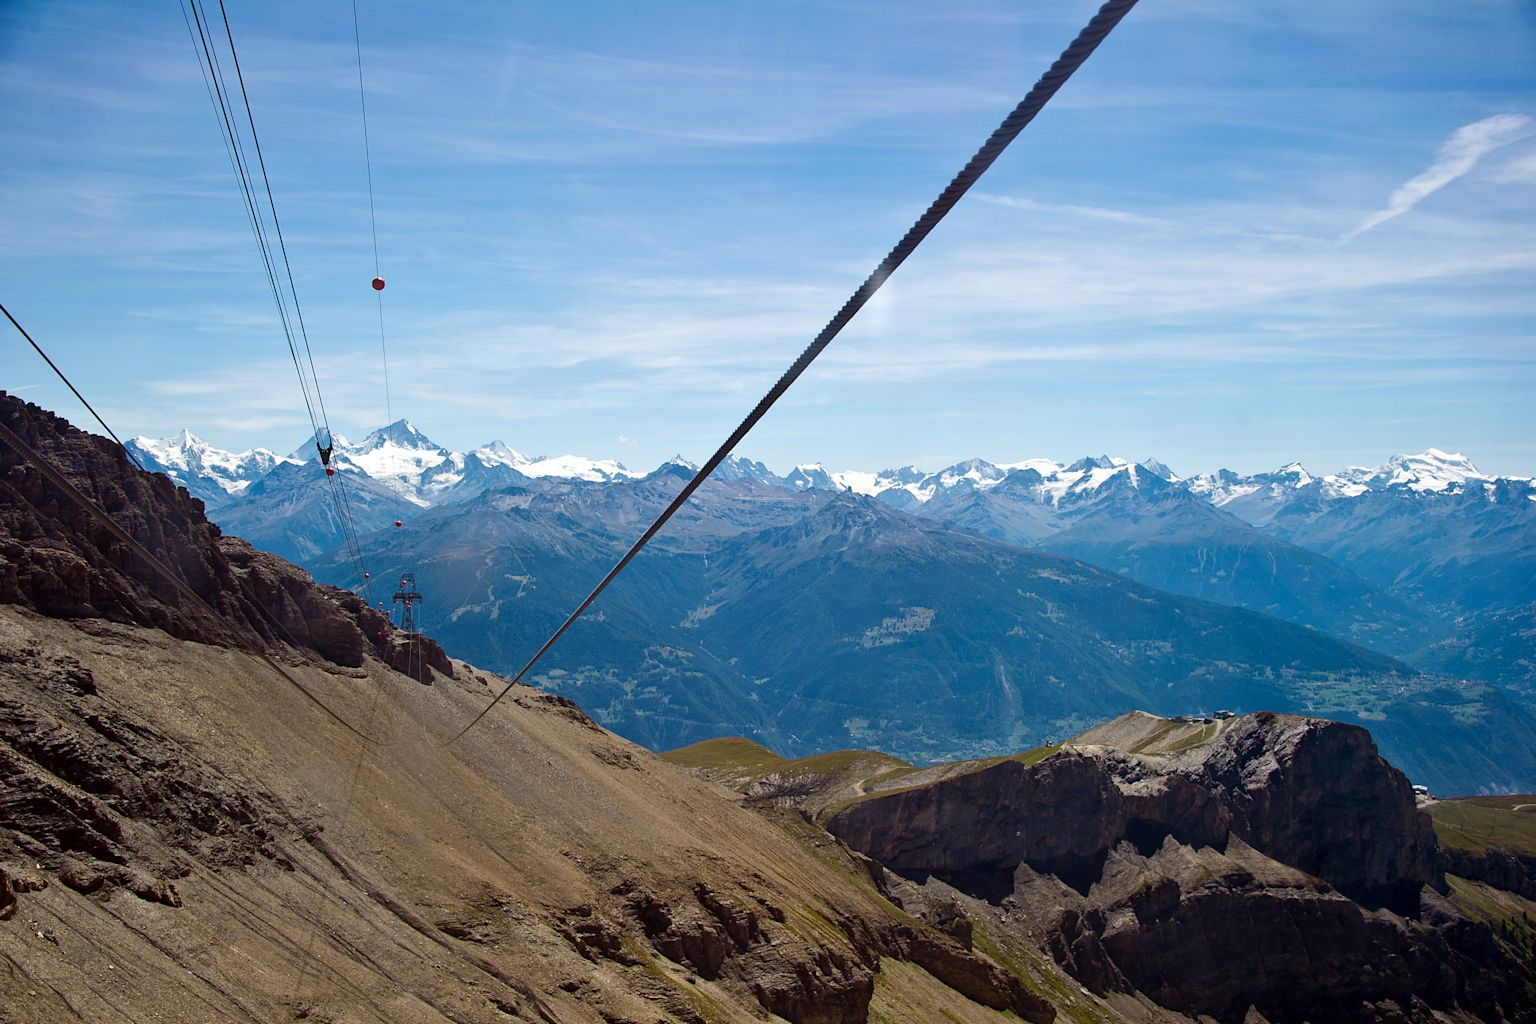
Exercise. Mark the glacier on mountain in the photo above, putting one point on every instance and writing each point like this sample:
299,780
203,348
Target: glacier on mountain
406,461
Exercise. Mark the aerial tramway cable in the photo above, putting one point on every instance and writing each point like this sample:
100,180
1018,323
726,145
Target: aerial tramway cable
59,480
69,384
222,97
414,653
204,49
1094,33
272,203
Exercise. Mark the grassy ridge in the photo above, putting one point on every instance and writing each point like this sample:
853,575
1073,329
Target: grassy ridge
1480,823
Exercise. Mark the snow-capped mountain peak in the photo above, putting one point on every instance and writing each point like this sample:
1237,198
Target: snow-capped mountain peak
402,434
1045,467
308,450
862,482
1157,468
210,473
1294,474
1431,470
498,453
812,476
1090,462
576,467
398,455
971,473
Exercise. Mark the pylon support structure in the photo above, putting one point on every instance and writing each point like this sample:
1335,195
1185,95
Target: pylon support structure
408,597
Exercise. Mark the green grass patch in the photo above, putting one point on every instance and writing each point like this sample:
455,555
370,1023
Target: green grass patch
1204,736
1511,918
1159,734
839,761
1041,975
728,753
890,775
1481,823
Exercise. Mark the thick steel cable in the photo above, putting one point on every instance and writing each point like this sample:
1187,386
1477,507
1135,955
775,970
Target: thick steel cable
125,449
59,480
90,408
281,245
1094,33
269,262
213,79
362,102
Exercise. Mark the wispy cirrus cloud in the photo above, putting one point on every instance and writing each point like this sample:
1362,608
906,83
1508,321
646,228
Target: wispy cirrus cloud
1091,212
1457,156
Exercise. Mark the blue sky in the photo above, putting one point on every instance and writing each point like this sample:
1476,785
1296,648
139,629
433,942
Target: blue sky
1243,234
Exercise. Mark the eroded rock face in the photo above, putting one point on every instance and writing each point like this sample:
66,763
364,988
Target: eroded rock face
822,976
57,559
1317,796
1278,863
1311,794
1502,869
1214,932
78,779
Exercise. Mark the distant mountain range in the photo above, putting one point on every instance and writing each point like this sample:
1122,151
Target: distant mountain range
398,456
905,610
1399,557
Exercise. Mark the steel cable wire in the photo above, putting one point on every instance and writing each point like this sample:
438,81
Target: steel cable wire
60,481
67,383
1094,33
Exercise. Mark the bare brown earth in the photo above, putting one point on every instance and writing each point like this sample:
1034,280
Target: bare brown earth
185,835
213,849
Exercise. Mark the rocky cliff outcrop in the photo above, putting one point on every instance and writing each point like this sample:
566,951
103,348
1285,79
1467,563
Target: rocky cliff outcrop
1309,793
1503,869
203,835
57,559
1269,862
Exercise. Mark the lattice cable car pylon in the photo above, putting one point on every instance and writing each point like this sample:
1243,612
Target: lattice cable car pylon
408,597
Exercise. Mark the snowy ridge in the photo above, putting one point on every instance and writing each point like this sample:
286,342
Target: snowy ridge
1047,481
1052,483
407,462
200,467
1433,470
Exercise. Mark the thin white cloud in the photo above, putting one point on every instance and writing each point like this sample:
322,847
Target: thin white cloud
1458,155
1091,212
1519,169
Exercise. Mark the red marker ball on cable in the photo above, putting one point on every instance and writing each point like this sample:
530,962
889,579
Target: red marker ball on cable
378,284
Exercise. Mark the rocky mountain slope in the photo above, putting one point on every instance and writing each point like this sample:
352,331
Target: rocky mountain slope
184,837
1267,865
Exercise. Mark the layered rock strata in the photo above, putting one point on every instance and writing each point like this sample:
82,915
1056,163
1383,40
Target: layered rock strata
1271,862
57,559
